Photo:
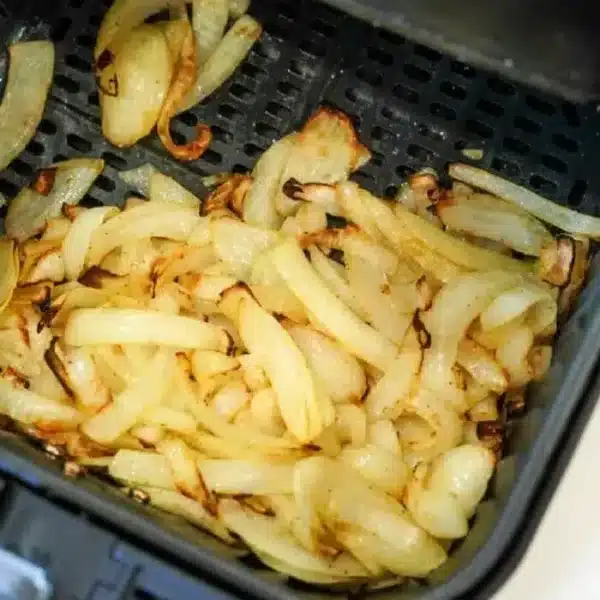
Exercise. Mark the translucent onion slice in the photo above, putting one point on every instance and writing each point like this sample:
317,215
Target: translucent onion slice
228,55
259,204
141,468
131,103
9,269
60,184
209,19
246,477
96,326
355,335
121,18
77,241
29,79
181,83
30,408
544,209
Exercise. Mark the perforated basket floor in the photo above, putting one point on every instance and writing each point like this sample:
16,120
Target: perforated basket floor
414,108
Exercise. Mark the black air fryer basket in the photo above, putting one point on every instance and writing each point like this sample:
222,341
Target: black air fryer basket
414,107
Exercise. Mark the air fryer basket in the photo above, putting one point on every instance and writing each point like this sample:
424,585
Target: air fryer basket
414,107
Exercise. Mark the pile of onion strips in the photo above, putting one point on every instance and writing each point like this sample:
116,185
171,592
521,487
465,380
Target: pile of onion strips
291,361
149,72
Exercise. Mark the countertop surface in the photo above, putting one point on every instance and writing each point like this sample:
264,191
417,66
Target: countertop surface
563,559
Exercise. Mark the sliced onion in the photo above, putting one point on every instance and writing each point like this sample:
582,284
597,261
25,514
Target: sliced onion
139,178
30,210
165,189
77,241
29,79
181,461
238,7
485,216
190,510
480,364
259,204
228,55
513,303
325,356
246,477
285,366
141,468
354,335
181,84
147,220
544,209
384,400
142,75
9,269
95,326
28,407
120,19
209,19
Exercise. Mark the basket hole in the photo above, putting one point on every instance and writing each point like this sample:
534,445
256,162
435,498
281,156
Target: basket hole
21,168
57,158
301,69
240,169
454,91
287,10
114,161
95,20
427,53
527,125
241,92
442,111
501,87
93,99
266,50
540,105
59,32
47,127
36,148
187,118
505,167
516,146
322,27
416,73
479,128
542,184
77,63
376,159
404,171
89,201
252,71
565,143
490,108
380,56
571,114
577,192
221,135
78,143
212,157
369,76
390,191
554,164
462,69
405,93
228,112
357,95
363,179
277,110
8,188
383,135
66,83
313,48
252,150
87,41
76,3
420,153
287,89
426,131
265,130
105,184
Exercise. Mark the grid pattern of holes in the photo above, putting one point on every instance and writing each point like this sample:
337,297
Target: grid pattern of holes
414,106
